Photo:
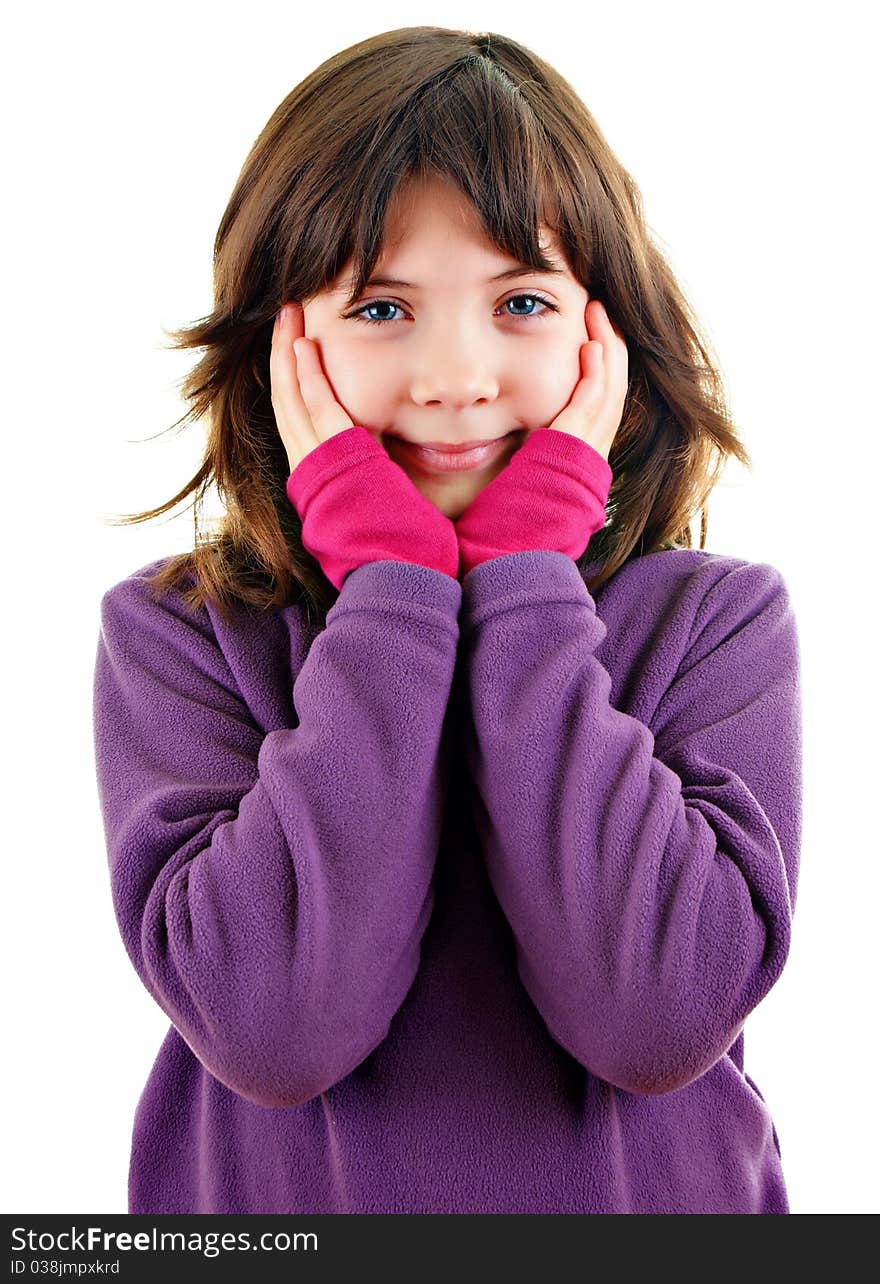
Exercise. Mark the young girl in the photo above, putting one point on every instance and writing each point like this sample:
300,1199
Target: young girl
456,860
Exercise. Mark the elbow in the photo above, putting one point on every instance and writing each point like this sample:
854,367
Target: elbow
263,1079
280,1071
654,1076
649,1061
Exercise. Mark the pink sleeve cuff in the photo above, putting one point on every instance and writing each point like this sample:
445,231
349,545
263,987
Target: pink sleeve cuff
551,495
357,505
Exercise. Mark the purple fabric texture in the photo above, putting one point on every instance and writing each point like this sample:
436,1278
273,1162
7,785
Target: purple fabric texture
459,904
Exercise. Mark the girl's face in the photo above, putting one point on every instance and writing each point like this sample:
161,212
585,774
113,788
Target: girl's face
456,354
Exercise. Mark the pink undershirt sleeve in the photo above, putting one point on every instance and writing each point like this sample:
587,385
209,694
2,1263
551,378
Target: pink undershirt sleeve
551,495
357,505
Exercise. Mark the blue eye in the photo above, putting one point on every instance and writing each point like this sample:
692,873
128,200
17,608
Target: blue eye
535,297
376,303
357,314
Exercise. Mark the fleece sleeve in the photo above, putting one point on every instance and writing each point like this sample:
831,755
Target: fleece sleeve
272,889
551,495
357,505
648,872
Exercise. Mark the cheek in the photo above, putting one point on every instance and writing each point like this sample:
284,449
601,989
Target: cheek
546,382
560,366
359,382
540,400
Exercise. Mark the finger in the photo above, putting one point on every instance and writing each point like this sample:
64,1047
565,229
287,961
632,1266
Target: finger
602,328
600,396
597,319
593,367
616,352
588,393
328,417
290,409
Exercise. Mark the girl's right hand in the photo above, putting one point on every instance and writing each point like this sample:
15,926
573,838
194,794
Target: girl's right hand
306,409
355,504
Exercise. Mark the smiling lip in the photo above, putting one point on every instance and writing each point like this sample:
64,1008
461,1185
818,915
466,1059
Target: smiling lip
438,457
451,448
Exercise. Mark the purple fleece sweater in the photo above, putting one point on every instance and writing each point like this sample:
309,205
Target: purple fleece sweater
457,937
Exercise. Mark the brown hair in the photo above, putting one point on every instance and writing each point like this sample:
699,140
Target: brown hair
514,136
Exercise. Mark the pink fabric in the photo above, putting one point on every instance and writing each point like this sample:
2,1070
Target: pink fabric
357,505
550,496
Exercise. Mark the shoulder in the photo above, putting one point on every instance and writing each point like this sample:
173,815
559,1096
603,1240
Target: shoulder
152,639
680,605
148,624
139,612
137,586
696,581
137,601
156,590
674,567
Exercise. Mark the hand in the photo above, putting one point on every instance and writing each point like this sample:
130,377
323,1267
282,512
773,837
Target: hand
368,510
595,408
306,409
553,491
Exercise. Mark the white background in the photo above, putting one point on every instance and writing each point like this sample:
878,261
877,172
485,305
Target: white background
751,133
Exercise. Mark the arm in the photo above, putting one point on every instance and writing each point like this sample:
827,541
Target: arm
648,873
272,889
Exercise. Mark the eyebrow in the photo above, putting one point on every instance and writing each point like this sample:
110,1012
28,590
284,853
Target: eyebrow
520,269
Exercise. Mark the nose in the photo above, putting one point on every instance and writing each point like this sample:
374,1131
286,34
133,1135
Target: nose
457,390
451,369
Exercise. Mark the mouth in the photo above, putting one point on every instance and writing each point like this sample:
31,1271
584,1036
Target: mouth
453,448
436,457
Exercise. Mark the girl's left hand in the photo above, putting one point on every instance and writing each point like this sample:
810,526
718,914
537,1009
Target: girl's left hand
595,408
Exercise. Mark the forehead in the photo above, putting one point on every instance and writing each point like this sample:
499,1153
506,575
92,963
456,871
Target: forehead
429,224
432,207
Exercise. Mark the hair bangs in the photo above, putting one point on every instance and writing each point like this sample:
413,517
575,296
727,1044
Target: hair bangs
473,127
